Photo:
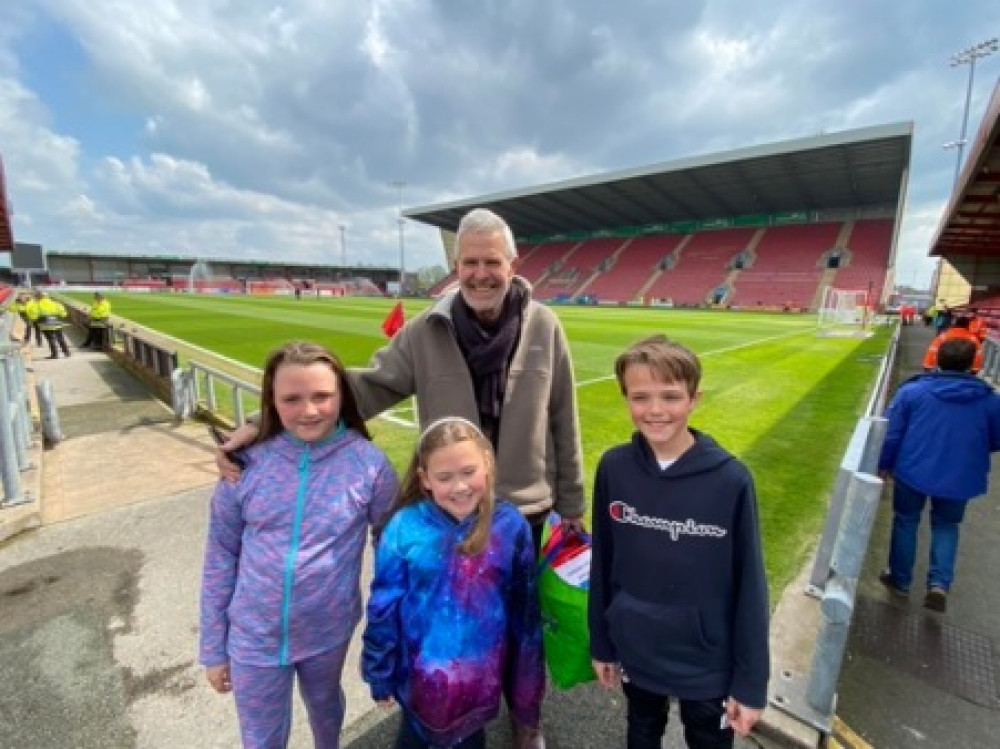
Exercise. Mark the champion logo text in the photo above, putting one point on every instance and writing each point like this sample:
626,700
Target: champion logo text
624,513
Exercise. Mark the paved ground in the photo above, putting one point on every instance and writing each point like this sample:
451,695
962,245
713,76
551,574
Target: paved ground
914,678
98,607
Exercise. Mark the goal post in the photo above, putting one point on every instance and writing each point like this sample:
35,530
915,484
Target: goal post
843,311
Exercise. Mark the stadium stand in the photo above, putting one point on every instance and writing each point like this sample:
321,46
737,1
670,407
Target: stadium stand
269,285
144,284
633,267
988,309
579,266
211,284
869,244
786,268
542,260
327,288
702,266
361,286
796,196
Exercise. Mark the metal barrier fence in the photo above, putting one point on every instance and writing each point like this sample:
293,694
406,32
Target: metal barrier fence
153,362
843,544
191,390
152,357
991,361
15,416
861,456
196,388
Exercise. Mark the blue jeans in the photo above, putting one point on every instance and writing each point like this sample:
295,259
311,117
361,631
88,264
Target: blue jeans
946,515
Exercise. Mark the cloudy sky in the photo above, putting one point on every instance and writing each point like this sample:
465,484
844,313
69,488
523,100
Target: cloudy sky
241,128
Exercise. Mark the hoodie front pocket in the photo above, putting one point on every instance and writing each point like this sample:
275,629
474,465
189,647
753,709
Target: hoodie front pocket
657,637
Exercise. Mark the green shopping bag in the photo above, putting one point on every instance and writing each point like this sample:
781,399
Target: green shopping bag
563,584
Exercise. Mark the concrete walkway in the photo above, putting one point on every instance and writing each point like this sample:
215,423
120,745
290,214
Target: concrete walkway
914,678
98,606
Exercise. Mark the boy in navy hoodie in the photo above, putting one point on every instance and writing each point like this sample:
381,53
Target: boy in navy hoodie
678,597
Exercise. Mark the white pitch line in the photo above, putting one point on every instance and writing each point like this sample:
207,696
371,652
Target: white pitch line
748,344
392,418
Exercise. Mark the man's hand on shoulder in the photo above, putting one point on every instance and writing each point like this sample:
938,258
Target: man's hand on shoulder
240,437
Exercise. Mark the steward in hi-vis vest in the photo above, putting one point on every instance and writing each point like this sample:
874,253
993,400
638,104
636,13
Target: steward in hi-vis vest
51,319
98,321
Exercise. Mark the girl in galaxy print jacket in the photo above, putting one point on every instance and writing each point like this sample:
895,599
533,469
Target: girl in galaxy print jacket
453,618
280,591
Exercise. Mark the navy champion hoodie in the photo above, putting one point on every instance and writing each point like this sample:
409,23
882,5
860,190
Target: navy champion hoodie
678,594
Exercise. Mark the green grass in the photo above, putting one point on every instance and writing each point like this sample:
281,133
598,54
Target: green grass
775,394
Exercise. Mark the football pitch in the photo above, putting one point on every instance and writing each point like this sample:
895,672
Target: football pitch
774,393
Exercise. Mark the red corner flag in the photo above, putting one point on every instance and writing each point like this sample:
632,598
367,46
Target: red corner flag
394,320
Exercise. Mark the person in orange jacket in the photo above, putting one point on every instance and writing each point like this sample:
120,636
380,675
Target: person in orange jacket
960,329
977,325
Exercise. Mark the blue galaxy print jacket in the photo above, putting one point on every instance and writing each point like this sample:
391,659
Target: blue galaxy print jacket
449,633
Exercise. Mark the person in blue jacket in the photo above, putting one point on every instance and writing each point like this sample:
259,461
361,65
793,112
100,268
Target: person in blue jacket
942,428
281,589
453,617
678,596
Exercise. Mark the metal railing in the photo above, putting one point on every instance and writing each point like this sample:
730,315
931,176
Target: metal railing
861,456
194,390
153,361
15,416
197,389
840,555
991,361
154,358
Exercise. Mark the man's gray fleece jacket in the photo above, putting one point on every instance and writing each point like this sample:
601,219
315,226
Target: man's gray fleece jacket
538,456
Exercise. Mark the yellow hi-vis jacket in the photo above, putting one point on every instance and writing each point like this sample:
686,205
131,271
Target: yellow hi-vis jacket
51,314
99,314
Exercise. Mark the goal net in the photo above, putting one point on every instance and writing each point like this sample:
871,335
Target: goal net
843,311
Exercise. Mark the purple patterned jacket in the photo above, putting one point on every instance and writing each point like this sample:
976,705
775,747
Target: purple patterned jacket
284,549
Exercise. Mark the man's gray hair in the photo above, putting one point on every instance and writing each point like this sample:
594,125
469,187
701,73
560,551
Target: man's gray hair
484,220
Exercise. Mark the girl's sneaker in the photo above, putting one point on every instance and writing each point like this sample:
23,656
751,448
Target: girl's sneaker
527,738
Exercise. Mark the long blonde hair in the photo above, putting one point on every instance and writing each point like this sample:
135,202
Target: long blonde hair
443,433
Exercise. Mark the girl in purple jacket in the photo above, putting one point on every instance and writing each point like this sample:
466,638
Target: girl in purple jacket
453,619
280,590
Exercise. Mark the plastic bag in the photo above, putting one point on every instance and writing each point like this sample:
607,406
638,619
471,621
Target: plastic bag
563,585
